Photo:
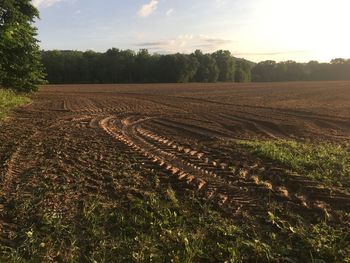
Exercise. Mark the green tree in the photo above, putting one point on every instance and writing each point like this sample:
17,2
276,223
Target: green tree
294,71
339,69
207,70
243,71
54,65
226,65
21,68
145,67
264,71
177,68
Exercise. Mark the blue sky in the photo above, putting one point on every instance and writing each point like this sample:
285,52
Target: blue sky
300,30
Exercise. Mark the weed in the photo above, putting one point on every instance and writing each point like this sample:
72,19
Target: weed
9,100
142,220
326,162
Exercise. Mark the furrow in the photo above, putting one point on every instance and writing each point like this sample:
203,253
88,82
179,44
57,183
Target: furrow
207,185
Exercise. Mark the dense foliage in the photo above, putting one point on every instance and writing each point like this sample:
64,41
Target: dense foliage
126,66
20,66
337,69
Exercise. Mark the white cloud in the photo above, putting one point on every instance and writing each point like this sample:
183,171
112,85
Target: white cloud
169,12
187,44
220,3
148,9
45,3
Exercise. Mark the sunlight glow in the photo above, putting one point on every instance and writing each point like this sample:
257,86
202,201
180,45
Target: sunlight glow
312,28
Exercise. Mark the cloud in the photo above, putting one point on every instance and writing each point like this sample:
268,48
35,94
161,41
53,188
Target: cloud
187,44
148,9
220,3
272,53
45,3
151,44
213,41
169,12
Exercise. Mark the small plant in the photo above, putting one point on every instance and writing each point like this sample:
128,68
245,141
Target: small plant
326,162
9,100
139,218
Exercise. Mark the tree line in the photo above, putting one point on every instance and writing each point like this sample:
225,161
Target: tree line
270,71
23,67
127,66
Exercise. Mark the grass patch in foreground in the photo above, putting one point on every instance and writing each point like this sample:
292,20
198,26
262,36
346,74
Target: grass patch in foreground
9,100
140,219
326,162
159,229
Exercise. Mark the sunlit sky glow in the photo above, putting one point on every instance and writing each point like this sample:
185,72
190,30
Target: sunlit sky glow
257,30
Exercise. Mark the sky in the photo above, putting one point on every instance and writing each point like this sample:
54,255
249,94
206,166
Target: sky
257,30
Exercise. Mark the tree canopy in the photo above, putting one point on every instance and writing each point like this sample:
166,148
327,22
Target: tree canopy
127,66
20,66
226,65
270,71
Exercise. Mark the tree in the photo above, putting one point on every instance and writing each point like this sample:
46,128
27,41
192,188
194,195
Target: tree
293,71
207,70
243,71
226,65
264,71
177,68
126,66
20,66
145,67
340,69
54,64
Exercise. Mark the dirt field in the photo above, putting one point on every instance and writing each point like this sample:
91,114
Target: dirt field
205,111
184,132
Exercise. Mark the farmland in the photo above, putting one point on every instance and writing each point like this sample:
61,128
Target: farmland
183,172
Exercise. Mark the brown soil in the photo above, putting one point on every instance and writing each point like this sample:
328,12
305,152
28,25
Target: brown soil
182,131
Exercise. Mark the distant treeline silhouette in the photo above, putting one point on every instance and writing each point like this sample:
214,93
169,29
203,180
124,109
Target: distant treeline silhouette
127,66
337,69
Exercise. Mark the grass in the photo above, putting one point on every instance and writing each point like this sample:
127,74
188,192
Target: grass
10,100
150,222
134,216
326,162
156,230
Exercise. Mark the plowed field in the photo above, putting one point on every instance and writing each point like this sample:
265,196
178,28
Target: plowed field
186,133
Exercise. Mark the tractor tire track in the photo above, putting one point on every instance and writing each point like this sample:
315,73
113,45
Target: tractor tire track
208,171
206,178
298,191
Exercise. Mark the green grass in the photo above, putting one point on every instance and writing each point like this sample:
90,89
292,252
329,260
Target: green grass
142,219
10,100
325,161
150,228
153,223
155,229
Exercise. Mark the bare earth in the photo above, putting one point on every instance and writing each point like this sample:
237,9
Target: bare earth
183,131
